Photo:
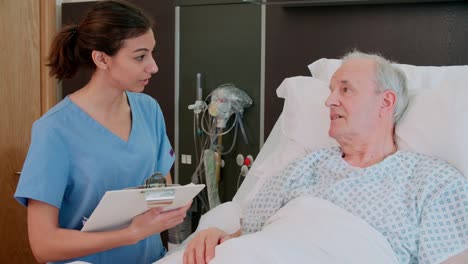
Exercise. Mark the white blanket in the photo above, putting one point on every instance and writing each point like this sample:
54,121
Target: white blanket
306,230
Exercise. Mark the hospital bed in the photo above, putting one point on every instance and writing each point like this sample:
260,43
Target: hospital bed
435,123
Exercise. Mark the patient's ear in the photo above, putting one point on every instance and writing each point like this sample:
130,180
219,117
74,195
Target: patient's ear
388,102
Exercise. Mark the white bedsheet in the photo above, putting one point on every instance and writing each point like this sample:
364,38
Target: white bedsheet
306,230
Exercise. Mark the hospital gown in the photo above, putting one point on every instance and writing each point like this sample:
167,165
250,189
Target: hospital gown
419,203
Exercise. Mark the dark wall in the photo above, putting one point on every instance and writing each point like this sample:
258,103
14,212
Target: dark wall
222,42
419,34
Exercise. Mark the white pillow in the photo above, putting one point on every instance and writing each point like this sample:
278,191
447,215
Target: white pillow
301,128
436,121
306,118
277,152
436,124
323,69
419,77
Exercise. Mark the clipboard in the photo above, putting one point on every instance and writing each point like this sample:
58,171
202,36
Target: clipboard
117,208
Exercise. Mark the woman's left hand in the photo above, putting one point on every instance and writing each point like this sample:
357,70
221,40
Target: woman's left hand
155,221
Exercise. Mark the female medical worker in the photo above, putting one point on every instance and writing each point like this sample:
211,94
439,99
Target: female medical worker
105,136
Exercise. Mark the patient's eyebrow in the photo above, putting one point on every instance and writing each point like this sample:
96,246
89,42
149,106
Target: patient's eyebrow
347,83
342,82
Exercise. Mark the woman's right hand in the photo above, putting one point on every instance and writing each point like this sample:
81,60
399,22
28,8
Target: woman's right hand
201,249
155,221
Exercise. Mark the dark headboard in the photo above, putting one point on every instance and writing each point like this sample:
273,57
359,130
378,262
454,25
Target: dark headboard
297,33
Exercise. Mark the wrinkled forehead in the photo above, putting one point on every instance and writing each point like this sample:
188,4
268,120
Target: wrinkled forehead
355,71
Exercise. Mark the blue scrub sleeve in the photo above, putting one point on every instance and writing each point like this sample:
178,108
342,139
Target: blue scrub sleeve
444,225
45,171
166,155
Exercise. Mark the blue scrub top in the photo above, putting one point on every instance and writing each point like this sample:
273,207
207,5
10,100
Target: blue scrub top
73,160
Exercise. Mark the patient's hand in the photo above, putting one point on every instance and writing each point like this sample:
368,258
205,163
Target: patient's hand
201,249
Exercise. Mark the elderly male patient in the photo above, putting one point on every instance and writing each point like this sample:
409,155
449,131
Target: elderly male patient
418,203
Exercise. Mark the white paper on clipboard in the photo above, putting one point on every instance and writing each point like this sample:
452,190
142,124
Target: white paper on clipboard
117,208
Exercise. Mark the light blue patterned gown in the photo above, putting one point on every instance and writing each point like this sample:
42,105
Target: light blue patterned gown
419,203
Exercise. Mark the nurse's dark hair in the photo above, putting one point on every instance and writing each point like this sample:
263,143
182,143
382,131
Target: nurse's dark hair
104,28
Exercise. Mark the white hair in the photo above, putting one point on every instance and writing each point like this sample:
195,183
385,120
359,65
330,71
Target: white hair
388,77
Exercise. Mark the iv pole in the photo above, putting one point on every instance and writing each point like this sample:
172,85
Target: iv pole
218,157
